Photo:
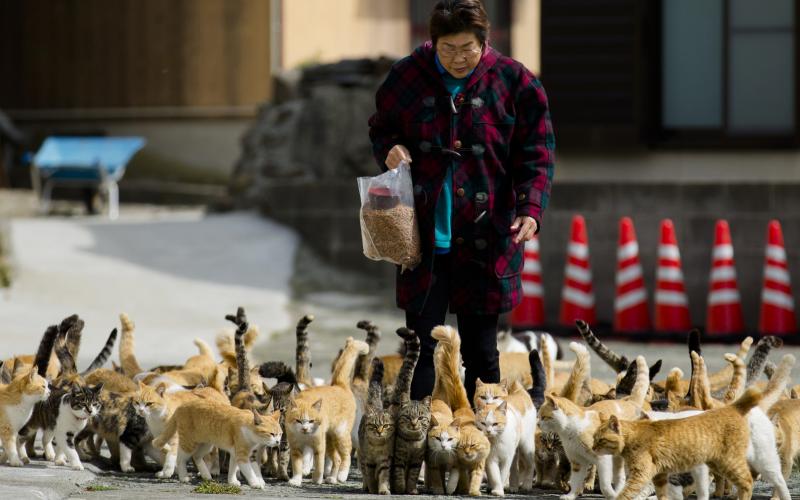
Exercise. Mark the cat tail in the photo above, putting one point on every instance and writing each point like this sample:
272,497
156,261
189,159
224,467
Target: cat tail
750,399
721,379
756,364
777,384
642,385
242,363
411,349
615,361
672,389
373,337
547,364
537,390
579,374
343,371
203,348
103,355
736,387
62,350
375,393
127,357
42,358
277,370
302,367
447,385
71,330
170,429
693,341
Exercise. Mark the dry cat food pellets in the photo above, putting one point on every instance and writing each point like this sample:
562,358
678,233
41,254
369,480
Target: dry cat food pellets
392,235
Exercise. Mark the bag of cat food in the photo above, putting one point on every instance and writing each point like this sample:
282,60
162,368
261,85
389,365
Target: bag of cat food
389,229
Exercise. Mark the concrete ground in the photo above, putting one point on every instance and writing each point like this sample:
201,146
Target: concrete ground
177,273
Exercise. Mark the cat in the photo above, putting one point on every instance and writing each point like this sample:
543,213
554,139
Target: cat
375,437
17,400
249,392
412,420
552,465
442,443
575,427
785,415
204,424
510,426
302,360
651,449
473,445
361,375
321,419
526,341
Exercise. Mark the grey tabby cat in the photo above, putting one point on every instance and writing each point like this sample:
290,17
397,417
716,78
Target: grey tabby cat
411,422
376,437
617,362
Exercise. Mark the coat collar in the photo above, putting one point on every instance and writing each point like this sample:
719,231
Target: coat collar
425,57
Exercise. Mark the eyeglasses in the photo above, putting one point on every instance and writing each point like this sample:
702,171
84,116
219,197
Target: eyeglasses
450,52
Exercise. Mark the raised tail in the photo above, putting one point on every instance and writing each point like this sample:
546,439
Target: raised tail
242,363
302,367
777,384
203,348
580,372
373,337
756,364
722,378
402,389
375,391
343,371
547,363
71,328
277,370
750,399
447,365
536,392
736,387
612,359
642,385
127,356
65,358
103,355
42,358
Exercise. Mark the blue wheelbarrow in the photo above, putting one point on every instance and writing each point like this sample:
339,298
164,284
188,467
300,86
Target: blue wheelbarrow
96,162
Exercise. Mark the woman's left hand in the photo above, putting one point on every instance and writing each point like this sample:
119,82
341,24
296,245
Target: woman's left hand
526,226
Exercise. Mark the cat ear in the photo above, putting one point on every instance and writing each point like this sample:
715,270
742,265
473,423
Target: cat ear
434,422
504,384
318,405
478,382
613,424
502,406
550,399
161,389
32,374
276,414
427,401
96,389
256,418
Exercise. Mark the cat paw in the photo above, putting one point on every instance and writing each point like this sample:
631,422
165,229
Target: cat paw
566,497
127,468
25,460
185,479
15,462
413,492
76,466
384,491
60,461
497,492
258,485
235,482
475,493
49,455
331,480
164,474
295,481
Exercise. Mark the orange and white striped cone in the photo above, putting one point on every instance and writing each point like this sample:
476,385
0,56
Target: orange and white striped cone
672,304
724,315
530,312
777,304
577,296
630,303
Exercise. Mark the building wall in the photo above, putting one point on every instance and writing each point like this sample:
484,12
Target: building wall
526,33
320,31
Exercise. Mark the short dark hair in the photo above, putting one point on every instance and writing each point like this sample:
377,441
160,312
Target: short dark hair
457,16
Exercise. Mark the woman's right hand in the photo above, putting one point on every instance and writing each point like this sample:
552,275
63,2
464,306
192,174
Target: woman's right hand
396,155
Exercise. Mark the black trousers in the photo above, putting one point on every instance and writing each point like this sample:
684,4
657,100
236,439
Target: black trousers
478,337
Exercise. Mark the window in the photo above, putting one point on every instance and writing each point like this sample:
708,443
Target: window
727,73
499,12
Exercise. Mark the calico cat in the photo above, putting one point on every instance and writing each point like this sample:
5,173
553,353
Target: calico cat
575,427
321,419
17,400
376,437
510,427
717,437
473,445
204,424
412,420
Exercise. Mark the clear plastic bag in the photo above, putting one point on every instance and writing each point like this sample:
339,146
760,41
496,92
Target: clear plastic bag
389,228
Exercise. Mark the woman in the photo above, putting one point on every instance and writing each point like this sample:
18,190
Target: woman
475,129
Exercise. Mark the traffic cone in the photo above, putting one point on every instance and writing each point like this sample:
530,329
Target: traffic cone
724,314
672,304
530,312
777,303
577,296
630,304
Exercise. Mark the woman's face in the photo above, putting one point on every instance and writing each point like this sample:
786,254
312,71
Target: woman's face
459,53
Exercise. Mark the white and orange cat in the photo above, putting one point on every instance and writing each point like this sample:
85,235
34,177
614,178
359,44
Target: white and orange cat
17,400
321,419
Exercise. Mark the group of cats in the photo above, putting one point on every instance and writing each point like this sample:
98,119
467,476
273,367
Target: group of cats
547,423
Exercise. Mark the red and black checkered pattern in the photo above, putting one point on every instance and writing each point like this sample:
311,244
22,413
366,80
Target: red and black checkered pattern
503,134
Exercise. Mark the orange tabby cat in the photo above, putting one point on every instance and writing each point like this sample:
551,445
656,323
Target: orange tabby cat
652,449
16,406
321,419
786,417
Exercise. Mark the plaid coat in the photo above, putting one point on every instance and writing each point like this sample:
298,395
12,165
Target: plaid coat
498,133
